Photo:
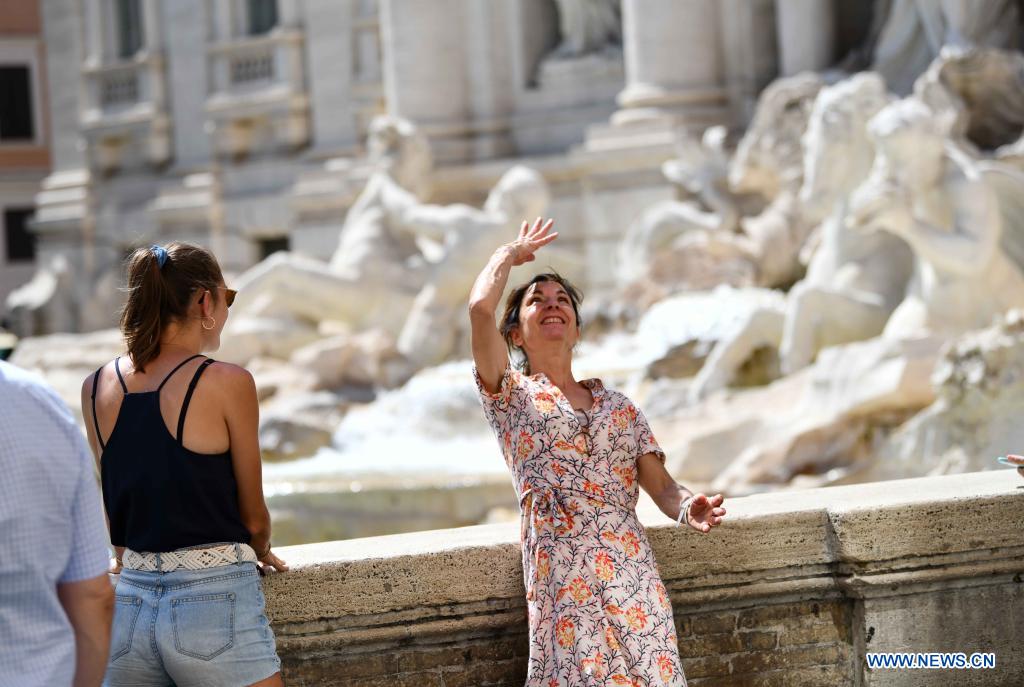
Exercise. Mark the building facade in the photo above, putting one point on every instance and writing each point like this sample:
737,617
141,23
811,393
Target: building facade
24,137
240,124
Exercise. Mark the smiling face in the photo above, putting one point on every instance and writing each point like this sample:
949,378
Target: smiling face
542,314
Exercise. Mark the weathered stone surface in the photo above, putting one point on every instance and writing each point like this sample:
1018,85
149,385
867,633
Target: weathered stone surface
811,422
792,590
976,415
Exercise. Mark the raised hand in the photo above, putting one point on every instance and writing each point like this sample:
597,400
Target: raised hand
530,239
705,512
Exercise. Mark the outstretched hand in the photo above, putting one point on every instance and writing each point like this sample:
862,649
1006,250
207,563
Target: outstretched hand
705,512
530,239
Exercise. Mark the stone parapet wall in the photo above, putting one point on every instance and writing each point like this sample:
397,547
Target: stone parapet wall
793,590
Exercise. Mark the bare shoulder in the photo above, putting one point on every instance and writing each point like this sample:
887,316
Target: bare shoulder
90,379
233,387
232,378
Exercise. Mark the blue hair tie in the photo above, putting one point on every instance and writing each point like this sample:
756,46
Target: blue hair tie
160,253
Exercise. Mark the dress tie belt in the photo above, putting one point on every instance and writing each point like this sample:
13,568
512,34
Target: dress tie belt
554,501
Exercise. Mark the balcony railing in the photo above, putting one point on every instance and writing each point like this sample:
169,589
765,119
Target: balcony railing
128,89
258,84
125,117
119,87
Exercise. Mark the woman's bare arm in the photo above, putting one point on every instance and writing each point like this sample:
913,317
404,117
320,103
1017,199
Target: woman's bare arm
489,352
242,415
94,446
669,495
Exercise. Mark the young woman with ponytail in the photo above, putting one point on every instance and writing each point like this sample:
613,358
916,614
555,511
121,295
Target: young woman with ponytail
175,437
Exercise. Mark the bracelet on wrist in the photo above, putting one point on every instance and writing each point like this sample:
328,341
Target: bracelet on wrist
684,511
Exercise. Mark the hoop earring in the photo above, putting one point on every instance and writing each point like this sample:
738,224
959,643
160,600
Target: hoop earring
203,323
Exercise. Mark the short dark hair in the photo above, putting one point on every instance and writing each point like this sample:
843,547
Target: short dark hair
159,295
513,305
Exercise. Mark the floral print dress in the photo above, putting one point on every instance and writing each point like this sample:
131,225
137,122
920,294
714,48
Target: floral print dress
598,610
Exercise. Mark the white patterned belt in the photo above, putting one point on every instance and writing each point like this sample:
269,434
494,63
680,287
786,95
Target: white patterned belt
189,559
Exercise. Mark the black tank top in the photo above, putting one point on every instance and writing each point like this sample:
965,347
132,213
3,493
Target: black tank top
159,495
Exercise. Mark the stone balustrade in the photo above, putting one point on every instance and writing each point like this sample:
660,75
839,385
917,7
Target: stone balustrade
125,117
259,92
794,590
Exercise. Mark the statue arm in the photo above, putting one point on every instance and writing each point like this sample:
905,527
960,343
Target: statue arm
967,249
435,221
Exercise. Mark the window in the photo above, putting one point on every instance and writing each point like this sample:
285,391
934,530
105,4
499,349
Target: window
262,16
270,246
129,28
21,244
16,104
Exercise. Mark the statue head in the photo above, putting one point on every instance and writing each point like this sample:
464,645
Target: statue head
521,194
396,146
910,140
837,153
768,158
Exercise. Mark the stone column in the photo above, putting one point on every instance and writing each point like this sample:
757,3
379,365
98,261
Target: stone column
187,70
806,30
750,50
329,34
95,43
674,66
152,35
424,70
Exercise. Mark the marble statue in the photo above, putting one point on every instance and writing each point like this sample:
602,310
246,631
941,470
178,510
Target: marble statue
715,222
367,247
769,157
45,303
769,160
767,163
853,280
467,236
377,268
700,170
915,32
402,266
955,212
588,26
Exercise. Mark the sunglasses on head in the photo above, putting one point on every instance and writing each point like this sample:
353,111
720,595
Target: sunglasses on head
229,295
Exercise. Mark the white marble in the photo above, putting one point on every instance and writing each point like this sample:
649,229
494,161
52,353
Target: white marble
941,203
806,34
674,63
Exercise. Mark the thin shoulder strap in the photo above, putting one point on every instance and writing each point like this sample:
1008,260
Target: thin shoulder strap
188,396
95,420
176,368
117,369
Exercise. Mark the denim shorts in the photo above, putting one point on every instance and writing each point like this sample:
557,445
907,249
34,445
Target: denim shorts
190,628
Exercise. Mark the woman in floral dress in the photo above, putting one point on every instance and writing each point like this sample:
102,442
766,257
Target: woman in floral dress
598,610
